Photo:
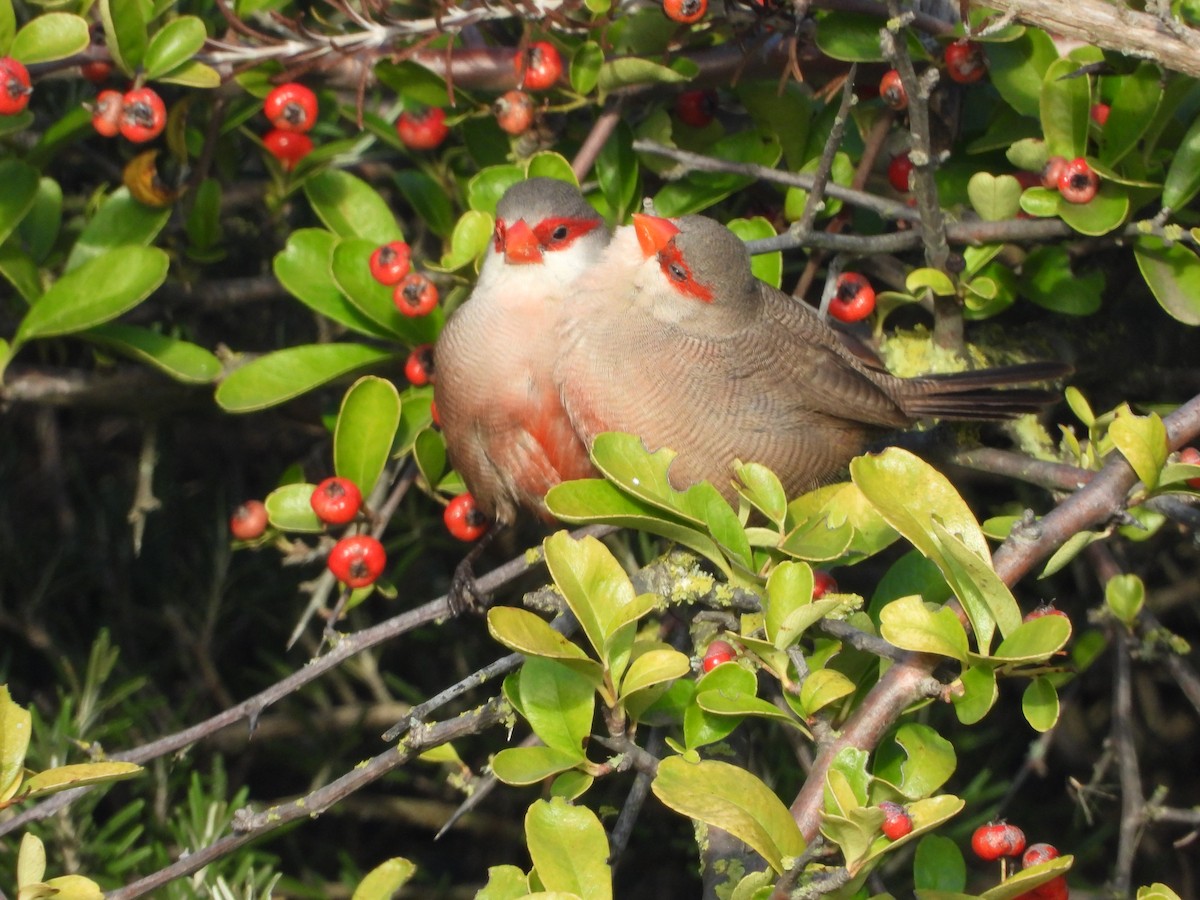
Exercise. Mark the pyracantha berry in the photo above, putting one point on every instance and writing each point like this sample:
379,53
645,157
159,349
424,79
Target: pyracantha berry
248,521
514,112
823,583
418,368
1027,179
143,115
965,62
415,295
539,67
289,147
853,298
892,92
96,71
718,652
1050,172
1055,889
291,107
14,87
696,108
106,113
900,173
1038,853
336,501
390,262
897,822
1190,456
1099,113
463,518
357,560
1077,182
1046,609
424,129
997,839
685,11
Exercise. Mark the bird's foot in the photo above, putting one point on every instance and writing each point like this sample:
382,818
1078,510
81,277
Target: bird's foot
465,594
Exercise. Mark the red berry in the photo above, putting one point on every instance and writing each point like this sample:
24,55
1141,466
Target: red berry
106,113
96,71
389,263
965,62
997,839
853,298
143,115
718,652
1046,609
289,147
423,129
1077,182
357,560
892,92
415,295
291,107
1050,172
463,518
1038,853
1055,889
1190,456
696,108
1099,113
823,583
897,822
248,521
514,112
900,173
336,501
418,368
685,11
1027,179
539,67
14,87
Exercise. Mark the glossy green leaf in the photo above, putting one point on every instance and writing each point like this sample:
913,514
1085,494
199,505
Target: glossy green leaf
979,694
304,268
994,197
428,199
50,36
986,599
789,588
1142,440
429,453
700,190
382,882
571,784
99,290
853,833
569,849
938,865
173,45
549,164
850,37
933,279
529,765
1022,883
470,238
559,702
414,82
1071,548
1156,891
121,220
823,687
653,666
15,731
1064,105
1036,640
8,28
1039,703
617,173
701,728
786,114
1183,175
285,374
1133,108
1104,212
486,187
730,798
124,32
40,226
181,360
1017,69
767,267
763,490
628,70
62,778
741,705
839,509
204,221
918,760
504,883
1047,280
18,193
585,66
366,428
1172,271
1040,202
351,270
909,625
1124,595
350,207
31,860
523,631
193,74
289,508
74,887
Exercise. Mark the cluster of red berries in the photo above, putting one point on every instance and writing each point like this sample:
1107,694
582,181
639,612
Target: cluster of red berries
853,298
15,88
291,109
356,560
413,293
998,840
138,115
1075,180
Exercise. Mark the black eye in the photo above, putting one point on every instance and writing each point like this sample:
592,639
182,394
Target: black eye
678,272
560,233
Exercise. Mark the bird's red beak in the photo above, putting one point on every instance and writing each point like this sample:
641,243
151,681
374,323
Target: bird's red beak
521,245
653,232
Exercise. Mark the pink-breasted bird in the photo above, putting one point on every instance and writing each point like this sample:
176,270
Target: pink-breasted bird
671,337
506,430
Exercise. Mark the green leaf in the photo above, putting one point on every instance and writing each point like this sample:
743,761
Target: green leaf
120,221
124,32
1133,108
787,116
627,70
1142,440
74,887
1104,212
585,67
529,765
366,428
1071,547
1064,107
15,731
978,695
31,861
763,490
8,27
1047,280
181,360
523,631
569,849
62,778
994,197
908,624
766,267
1022,883
1172,272
918,762
280,376
701,728
823,687
617,172
504,883
652,664
549,164
429,452
850,37
193,74
986,599
486,187
934,279
173,45
350,266
730,798
50,36
428,199
1017,69
1156,891
1125,595
741,704
99,290
469,240
304,268
350,207
700,190
938,865
1183,175
1039,703
18,193
289,508
1035,641
559,703
382,882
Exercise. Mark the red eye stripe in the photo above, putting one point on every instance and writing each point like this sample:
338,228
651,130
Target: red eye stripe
498,236
561,231
680,276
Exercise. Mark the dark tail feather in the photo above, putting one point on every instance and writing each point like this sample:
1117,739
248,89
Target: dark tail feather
981,395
